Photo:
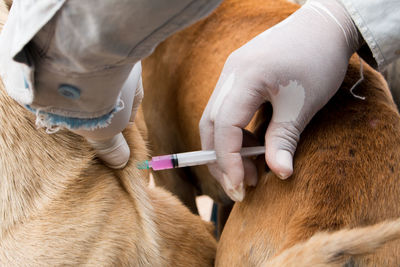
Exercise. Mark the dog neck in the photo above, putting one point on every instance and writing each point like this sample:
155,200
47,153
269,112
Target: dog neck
35,167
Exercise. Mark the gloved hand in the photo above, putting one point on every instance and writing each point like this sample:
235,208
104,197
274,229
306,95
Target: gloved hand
297,65
109,143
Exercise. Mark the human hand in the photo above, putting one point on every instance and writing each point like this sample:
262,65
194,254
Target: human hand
297,65
109,143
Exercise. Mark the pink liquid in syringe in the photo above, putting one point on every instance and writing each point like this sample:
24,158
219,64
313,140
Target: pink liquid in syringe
162,163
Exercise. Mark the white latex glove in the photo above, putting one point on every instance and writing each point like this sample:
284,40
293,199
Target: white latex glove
298,65
109,143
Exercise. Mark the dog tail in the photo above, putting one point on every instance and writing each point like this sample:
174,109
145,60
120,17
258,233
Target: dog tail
332,249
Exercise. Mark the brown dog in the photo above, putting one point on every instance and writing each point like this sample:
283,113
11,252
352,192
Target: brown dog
346,164
60,206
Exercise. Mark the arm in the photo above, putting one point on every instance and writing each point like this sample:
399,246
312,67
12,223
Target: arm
379,24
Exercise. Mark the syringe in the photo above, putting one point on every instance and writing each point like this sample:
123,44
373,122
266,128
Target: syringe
192,158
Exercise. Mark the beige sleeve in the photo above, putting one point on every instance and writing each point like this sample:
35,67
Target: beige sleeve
379,24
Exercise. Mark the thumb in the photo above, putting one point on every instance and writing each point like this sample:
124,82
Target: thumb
114,151
281,141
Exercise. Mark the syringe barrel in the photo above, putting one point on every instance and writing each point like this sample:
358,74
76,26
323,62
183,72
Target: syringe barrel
162,162
209,156
196,158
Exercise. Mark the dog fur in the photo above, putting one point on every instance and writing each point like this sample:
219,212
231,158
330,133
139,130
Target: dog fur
60,206
345,175
333,249
345,168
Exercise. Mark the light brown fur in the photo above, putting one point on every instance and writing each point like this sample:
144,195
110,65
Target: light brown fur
346,165
60,206
8,3
333,249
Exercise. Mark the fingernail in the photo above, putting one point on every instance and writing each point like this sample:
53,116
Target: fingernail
284,160
236,194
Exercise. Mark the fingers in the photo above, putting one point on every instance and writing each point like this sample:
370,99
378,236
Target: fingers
114,152
230,109
232,181
108,142
206,125
281,141
135,81
139,94
290,107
